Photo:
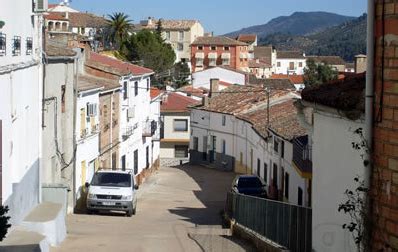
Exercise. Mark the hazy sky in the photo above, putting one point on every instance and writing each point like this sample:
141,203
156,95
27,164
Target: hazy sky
220,16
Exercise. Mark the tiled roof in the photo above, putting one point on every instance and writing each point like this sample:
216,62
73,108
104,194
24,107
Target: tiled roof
167,25
260,64
247,38
296,79
155,92
283,120
86,80
224,83
50,6
79,19
123,68
277,84
345,94
218,40
56,16
330,60
289,55
55,51
176,103
190,90
263,53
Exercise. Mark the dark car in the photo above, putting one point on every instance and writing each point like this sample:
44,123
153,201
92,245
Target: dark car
249,185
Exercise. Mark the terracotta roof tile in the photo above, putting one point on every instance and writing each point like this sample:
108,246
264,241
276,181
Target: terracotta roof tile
190,90
346,94
218,40
167,25
174,102
263,53
155,92
79,19
56,16
247,38
289,55
330,60
295,79
123,67
86,81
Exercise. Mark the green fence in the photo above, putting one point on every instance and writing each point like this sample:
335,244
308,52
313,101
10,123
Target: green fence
288,225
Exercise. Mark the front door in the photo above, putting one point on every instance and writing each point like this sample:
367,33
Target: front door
204,157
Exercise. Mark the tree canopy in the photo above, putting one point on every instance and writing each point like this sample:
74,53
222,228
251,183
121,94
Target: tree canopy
119,26
316,74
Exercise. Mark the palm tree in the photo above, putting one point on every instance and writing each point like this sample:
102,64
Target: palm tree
119,26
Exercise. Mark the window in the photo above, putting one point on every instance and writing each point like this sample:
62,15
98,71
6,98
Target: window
278,64
63,90
167,35
300,197
266,173
181,151
225,62
124,162
241,158
136,162
180,124
125,90
16,46
283,149
276,145
136,88
291,65
181,35
223,120
200,48
199,62
224,146
29,45
195,143
275,176
2,44
180,46
287,185
213,48
212,62
300,64
258,167
83,30
91,109
147,84
226,48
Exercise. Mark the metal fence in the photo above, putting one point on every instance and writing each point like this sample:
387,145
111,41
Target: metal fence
288,225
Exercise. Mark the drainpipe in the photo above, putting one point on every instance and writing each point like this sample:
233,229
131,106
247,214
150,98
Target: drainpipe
369,99
75,93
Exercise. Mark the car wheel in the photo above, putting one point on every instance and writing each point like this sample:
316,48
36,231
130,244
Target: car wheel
129,213
134,210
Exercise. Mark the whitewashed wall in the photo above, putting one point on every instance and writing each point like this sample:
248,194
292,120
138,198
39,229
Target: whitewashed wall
284,67
202,78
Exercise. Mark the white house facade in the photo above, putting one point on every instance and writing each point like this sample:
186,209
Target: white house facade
290,62
201,79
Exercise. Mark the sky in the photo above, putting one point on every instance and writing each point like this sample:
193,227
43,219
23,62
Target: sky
218,16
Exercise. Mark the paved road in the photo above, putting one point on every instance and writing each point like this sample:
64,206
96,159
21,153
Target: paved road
178,210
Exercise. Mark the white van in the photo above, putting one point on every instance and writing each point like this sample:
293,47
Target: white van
112,190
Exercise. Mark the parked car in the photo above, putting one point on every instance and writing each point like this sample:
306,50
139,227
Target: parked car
112,190
249,185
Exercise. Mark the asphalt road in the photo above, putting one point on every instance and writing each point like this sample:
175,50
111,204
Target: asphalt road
178,210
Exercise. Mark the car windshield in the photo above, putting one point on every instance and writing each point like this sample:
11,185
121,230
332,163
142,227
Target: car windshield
111,179
249,182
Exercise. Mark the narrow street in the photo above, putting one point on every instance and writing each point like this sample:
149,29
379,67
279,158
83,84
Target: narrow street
178,210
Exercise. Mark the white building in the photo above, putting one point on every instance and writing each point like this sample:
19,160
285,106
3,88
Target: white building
87,135
20,110
335,162
175,129
137,124
231,133
290,62
201,79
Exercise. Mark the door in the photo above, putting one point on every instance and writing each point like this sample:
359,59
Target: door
135,162
300,197
258,167
124,162
84,173
114,161
204,157
213,149
147,157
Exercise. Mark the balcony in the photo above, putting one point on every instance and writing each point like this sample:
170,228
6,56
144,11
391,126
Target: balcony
127,132
95,129
302,155
149,128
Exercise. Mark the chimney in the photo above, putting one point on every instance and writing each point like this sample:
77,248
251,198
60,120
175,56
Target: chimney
214,88
360,63
205,100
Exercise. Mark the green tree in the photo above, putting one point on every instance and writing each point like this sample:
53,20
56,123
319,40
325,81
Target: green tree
316,74
4,225
119,26
159,28
181,74
146,47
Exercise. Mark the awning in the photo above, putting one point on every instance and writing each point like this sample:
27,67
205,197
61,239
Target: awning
212,55
199,55
243,55
225,55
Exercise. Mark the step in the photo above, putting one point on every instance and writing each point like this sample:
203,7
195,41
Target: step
20,240
47,219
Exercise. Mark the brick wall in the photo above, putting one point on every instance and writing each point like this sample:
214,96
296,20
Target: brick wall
385,173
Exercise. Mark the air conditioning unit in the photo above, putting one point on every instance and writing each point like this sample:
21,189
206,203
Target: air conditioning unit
131,112
40,5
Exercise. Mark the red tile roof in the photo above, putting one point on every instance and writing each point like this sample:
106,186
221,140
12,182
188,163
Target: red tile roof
56,16
155,92
50,6
224,83
296,79
190,90
247,38
177,103
119,64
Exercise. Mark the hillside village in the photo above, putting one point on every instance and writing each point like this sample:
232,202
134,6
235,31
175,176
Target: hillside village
185,114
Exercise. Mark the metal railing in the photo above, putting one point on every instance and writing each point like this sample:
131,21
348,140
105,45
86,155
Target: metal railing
302,155
288,225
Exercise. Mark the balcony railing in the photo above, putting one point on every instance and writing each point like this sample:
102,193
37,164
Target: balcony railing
302,154
127,132
149,128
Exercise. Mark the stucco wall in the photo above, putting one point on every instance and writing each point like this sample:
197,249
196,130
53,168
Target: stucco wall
284,67
336,164
202,78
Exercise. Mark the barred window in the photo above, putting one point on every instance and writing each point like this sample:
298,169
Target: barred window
2,44
16,46
29,45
